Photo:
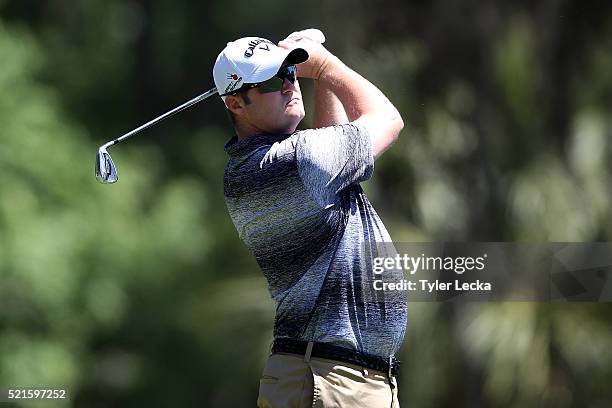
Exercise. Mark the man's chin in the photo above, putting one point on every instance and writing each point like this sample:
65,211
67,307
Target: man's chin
295,112
291,119
292,125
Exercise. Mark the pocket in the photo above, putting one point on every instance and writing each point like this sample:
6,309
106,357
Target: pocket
268,379
284,383
311,395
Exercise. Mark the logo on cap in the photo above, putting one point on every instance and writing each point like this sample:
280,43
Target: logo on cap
254,43
233,84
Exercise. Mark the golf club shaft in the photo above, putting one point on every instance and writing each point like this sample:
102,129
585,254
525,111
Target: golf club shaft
158,119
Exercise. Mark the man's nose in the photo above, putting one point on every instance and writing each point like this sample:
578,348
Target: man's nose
289,86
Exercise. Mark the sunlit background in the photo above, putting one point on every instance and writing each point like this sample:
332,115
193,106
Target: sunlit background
141,294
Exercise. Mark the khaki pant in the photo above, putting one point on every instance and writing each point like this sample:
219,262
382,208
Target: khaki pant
294,381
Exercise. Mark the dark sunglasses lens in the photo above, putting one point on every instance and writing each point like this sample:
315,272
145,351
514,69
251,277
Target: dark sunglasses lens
288,72
273,84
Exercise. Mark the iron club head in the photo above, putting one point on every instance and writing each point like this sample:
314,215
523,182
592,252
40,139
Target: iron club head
106,172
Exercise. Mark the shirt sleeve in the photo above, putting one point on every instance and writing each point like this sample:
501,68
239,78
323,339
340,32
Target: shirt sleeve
332,158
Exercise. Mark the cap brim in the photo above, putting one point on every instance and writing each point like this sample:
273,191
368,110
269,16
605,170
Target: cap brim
263,73
296,56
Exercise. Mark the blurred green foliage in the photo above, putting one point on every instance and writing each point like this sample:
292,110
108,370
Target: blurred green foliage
141,294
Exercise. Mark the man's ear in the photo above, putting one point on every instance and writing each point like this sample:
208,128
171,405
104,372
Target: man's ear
234,104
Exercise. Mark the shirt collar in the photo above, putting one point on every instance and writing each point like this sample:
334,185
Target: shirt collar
237,148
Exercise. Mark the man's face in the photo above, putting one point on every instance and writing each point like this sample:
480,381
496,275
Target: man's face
273,112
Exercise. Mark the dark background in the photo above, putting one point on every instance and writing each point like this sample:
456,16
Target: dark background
141,294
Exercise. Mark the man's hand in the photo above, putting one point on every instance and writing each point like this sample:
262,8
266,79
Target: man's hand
318,55
314,34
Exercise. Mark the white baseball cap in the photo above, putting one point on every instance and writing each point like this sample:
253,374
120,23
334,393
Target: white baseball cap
250,60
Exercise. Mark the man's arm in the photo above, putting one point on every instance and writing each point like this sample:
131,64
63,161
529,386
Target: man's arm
328,109
364,104
362,101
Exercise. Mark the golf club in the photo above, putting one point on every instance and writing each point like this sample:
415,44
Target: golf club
106,172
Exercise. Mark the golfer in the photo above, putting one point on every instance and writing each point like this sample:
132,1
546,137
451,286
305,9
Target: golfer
295,200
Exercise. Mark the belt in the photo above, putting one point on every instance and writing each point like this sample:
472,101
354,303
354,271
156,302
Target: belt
388,366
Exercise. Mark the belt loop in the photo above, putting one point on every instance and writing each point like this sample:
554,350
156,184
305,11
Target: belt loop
308,351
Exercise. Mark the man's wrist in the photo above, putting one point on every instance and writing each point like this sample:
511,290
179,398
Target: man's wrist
328,67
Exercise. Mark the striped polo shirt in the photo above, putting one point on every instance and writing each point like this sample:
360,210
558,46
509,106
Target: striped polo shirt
296,203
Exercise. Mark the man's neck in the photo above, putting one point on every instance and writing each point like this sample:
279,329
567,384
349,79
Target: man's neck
246,131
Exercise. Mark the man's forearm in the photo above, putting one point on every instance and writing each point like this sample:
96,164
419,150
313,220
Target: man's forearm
363,102
328,110
358,95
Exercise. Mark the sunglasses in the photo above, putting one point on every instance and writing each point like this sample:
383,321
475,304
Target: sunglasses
275,83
